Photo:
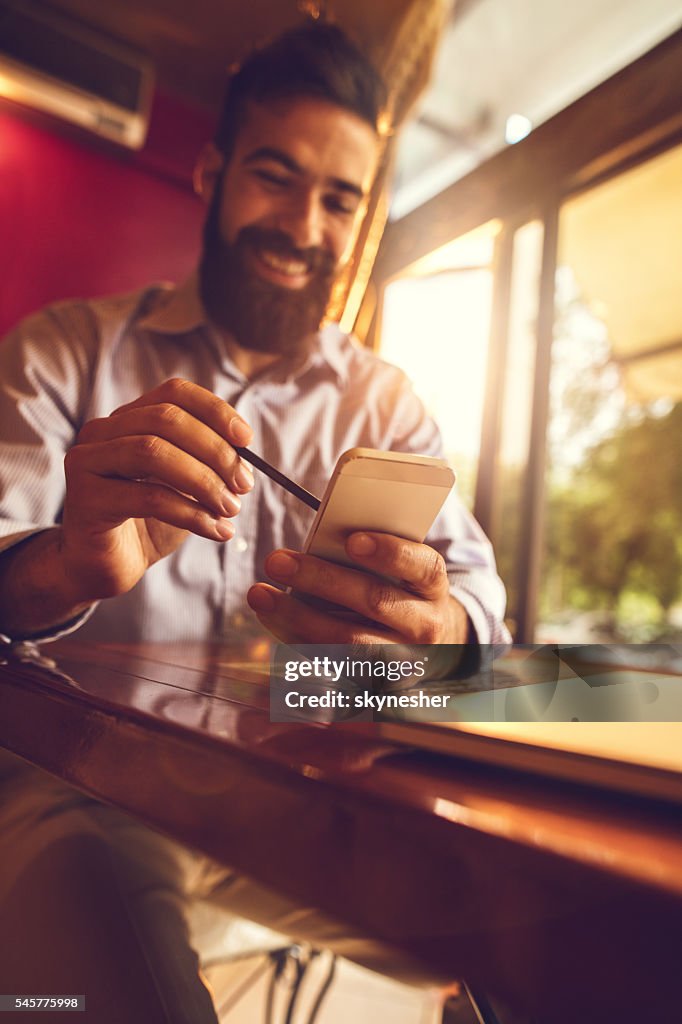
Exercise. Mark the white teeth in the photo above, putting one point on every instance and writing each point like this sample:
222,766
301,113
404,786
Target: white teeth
285,266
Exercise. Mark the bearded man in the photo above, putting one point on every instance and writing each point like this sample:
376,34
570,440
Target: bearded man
144,398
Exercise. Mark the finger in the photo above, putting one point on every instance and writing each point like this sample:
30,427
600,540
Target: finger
128,499
405,614
375,599
293,621
200,403
146,457
182,430
419,567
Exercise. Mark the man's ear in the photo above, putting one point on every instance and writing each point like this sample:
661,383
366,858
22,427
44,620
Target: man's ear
206,171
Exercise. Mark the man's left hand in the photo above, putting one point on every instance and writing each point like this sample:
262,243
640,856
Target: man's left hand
417,610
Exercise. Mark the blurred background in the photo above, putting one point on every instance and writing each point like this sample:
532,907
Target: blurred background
520,259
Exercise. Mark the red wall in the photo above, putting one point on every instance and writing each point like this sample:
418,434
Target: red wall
78,218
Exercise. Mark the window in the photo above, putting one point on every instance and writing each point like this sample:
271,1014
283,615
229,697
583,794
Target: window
612,562
435,326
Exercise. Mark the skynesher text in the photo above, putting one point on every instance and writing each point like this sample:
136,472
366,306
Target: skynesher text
366,701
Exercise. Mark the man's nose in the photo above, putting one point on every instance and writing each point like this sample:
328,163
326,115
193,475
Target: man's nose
303,221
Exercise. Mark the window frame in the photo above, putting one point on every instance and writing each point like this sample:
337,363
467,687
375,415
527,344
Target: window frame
628,119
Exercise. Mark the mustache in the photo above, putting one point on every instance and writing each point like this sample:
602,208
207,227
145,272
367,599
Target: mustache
316,260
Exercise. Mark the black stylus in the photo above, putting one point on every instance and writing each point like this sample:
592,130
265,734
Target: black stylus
279,478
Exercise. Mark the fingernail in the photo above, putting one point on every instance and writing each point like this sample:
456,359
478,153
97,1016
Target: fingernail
362,544
261,600
224,528
243,477
240,432
230,502
281,565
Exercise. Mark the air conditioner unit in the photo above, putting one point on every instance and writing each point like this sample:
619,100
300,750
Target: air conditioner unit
56,65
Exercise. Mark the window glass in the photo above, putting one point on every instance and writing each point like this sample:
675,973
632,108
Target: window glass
435,325
613,521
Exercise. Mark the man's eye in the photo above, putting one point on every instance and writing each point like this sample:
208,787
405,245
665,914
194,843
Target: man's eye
272,178
344,207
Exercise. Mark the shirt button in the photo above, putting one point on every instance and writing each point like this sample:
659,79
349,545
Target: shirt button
241,545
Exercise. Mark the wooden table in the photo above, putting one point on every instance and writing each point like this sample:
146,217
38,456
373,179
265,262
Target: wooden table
562,899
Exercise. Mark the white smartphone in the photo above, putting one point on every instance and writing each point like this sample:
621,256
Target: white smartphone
390,492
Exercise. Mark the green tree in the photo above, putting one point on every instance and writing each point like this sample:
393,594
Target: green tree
616,525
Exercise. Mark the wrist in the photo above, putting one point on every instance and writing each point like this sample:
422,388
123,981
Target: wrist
73,575
36,591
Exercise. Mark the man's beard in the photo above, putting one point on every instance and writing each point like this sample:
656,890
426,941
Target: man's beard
258,314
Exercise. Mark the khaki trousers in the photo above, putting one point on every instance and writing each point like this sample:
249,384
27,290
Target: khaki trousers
94,903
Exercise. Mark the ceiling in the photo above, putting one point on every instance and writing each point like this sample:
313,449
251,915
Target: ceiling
193,42
503,57
496,58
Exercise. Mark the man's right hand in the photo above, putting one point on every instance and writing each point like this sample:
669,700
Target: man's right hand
140,479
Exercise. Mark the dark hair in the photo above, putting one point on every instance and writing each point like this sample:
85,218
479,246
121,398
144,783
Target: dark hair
317,60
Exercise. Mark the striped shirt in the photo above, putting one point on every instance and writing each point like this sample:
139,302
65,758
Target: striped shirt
82,359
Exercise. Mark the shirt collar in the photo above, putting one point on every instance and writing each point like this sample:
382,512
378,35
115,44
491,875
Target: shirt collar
180,311
335,348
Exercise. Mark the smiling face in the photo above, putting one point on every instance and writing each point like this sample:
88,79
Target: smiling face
284,212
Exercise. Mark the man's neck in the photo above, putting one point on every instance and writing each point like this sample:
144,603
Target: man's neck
248,361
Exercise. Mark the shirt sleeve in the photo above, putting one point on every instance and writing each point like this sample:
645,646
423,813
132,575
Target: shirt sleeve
467,552
45,368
